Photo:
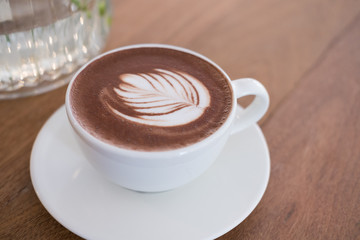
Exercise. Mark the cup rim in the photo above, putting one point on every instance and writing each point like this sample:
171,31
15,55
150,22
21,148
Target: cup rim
162,154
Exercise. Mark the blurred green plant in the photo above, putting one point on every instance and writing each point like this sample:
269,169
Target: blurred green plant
101,8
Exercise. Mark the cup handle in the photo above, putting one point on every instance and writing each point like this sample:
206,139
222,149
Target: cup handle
257,108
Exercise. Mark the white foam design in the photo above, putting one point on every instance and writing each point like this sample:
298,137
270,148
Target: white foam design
163,98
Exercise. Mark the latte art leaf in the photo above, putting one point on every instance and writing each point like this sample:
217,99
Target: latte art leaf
161,98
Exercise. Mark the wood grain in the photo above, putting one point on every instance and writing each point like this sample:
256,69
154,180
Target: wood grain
307,54
314,138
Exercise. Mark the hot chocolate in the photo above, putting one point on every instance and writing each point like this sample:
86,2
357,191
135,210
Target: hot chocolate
150,99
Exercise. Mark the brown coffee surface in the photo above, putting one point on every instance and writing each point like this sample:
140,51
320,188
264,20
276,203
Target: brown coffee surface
150,99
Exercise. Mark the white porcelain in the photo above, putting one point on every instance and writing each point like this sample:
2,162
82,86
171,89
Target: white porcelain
94,208
165,170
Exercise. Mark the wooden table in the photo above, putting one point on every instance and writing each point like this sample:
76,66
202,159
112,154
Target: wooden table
306,53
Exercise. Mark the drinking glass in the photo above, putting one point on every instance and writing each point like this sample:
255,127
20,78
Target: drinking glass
42,43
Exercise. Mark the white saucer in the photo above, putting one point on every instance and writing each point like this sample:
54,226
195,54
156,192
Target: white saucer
93,208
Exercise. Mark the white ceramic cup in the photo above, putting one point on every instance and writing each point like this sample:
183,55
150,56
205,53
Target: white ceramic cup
165,170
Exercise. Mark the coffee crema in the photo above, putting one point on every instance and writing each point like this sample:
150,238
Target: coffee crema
150,99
